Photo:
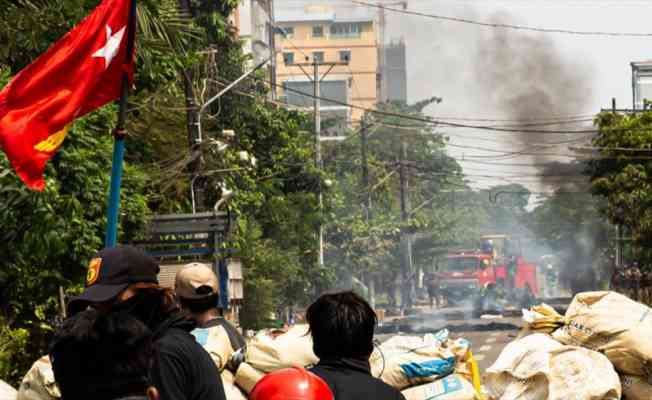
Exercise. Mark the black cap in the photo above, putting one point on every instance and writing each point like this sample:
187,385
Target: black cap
112,270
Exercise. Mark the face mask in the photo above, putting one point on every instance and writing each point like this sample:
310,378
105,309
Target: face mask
143,305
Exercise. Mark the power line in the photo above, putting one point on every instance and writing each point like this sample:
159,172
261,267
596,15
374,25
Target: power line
503,26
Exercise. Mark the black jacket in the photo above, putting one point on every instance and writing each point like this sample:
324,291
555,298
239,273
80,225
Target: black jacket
351,379
182,369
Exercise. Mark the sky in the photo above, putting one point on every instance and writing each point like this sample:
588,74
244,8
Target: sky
490,73
484,72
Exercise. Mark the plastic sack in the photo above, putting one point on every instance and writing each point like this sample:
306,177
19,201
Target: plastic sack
215,340
230,389
539,368
7,392
614,325
291,349
543,318
38,383
247,376
635,388
452,387
404,361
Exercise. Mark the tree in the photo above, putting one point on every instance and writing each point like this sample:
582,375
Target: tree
620,171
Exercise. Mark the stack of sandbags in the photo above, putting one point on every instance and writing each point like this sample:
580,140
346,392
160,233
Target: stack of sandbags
428,367
405,361
269,351
7,392
613,325
538,367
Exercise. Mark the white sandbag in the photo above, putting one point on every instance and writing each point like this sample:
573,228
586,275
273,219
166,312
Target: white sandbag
539,368
452,387
247,376
404,361
230,389
7,392
38,383
291,349
635,388
215,340
614,325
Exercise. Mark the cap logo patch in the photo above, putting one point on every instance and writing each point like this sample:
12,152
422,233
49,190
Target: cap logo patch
93,271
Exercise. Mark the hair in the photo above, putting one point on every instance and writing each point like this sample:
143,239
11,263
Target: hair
198,306
101,356
342,326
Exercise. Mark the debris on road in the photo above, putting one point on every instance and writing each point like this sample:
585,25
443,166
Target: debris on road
539,368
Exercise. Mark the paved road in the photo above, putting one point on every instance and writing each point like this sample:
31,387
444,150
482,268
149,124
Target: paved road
487,336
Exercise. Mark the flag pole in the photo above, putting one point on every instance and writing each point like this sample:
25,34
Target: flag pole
119,135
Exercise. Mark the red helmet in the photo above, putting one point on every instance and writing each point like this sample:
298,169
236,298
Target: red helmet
291,384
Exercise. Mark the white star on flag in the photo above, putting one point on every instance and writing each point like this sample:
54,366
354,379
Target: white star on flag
111,47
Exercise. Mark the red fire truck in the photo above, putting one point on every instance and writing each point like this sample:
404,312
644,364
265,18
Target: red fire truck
466,274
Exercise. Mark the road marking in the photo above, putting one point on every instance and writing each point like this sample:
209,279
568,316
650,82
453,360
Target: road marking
478,357
484,348
491,340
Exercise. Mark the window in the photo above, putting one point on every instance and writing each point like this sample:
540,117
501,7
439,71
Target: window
288,58
346,30
345,56
289,32
318,56
318,31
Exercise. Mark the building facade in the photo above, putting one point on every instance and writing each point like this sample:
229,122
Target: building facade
395,72
641,83
330,34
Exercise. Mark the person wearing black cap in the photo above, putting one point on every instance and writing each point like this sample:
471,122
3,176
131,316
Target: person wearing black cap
124,279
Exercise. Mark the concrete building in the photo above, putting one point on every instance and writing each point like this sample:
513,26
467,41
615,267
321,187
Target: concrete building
641,83
395,74
329,33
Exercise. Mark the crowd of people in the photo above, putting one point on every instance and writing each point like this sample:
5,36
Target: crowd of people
128,338
634,283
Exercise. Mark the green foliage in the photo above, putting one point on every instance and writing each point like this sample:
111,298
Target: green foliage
12,346
621,177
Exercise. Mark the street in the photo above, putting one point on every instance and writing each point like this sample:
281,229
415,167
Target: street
488,336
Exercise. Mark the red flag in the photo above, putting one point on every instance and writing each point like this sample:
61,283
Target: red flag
81,72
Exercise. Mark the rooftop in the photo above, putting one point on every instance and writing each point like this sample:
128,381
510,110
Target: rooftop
339,14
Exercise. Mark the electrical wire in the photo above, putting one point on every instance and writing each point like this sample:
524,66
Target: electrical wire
502,26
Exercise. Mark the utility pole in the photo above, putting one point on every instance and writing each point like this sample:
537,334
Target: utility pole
272,45
371,283
408,289
316,79
619,230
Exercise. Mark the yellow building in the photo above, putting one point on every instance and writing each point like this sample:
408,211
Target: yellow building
331,35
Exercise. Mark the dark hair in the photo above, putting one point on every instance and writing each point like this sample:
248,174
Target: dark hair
198,306
342,326
101,356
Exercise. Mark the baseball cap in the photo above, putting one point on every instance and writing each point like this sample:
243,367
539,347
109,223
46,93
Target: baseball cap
111,270
195,281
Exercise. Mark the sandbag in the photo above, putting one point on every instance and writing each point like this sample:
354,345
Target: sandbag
291,349
452,387
38,383
247,376
635,388
7,392
230,389
404,361
215,340
539,368
614,325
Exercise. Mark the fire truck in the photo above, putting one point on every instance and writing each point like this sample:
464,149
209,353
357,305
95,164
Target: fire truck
498,267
